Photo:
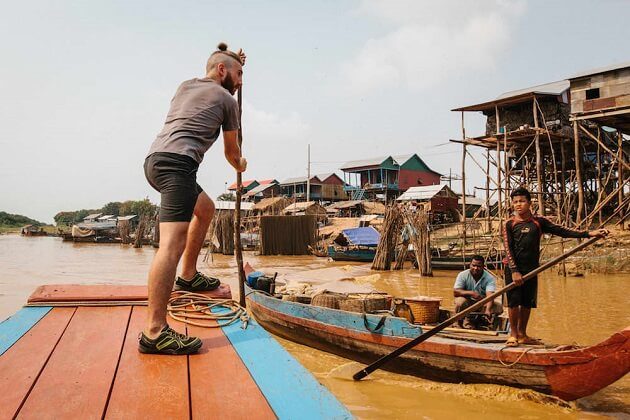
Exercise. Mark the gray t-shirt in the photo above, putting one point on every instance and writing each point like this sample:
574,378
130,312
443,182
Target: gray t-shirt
199,109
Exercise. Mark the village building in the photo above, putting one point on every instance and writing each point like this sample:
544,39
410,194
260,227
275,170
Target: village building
438,200
266,189
562,140
247,185
354,208
271,206
306,208
324,187
387,177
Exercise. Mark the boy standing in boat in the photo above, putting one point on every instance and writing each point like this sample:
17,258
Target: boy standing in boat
199,110
521,236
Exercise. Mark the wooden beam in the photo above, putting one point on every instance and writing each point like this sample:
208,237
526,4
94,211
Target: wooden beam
463,190
620,160
541,200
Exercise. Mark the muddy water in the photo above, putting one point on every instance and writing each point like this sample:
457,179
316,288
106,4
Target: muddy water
582,310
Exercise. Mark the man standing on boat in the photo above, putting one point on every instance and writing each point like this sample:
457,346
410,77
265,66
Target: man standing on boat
199,109
472,285
521,235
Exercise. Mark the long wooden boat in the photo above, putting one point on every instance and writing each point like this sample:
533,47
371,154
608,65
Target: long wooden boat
353,253
567,372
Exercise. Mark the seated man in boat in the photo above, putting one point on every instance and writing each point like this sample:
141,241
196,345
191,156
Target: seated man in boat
521,234
472,285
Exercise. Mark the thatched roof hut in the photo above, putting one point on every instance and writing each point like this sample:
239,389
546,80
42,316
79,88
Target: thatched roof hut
271,206
306,207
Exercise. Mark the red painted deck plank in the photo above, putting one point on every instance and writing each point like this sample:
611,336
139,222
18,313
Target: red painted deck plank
20,365
77,378
146,385
220,384
109,292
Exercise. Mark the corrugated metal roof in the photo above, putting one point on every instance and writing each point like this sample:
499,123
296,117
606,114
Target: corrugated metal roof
300,180
516,96
231,205
401,159
106,217
129,217
364,162
554,88
92,216
268,181
598,70
245,184
424,192
258,189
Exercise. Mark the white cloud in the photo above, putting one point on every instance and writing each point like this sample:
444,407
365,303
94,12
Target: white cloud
430,41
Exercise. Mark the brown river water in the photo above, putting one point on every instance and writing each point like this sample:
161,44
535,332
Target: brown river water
583,310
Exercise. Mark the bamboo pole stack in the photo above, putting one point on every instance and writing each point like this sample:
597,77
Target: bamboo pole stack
385,251
418,223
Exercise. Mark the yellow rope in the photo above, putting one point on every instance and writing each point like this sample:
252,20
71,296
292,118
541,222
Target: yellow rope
518,359
187,307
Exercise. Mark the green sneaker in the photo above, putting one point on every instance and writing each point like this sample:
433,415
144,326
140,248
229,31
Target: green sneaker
199,283
168,342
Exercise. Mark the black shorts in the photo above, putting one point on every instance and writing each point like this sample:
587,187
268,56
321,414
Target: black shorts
525,295
175,178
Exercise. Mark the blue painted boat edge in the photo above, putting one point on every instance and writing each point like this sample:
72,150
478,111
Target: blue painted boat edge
18,324
291,390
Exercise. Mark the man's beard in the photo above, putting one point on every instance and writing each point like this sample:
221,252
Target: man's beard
229,84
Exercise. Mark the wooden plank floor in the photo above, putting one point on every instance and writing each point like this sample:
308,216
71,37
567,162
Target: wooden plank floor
83,362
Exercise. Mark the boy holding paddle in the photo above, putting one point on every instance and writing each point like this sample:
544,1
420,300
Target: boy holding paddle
522,235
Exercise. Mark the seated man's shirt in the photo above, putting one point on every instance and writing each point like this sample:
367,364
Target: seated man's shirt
466,281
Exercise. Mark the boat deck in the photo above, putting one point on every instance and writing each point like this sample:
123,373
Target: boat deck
64,360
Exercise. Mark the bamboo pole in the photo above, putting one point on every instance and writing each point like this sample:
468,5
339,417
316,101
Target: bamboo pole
578,172
499,195
620,174
463,189
599,175
488,216
539,181
237,210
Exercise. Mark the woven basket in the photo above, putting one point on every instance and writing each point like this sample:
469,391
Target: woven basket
363,304
425,310
327,300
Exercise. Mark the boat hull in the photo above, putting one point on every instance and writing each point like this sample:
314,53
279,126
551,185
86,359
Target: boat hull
567,374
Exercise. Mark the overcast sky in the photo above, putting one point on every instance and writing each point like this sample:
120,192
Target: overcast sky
85,86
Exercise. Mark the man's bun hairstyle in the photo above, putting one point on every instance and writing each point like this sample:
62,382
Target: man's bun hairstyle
222,48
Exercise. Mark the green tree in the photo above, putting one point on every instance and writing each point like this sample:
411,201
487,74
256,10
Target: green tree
112,208
226,197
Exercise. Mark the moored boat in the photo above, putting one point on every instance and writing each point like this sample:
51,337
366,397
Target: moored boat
568,372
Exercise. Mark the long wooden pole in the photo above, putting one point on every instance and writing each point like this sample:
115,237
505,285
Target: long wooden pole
463,189
238,250
578,173
411,344
539,164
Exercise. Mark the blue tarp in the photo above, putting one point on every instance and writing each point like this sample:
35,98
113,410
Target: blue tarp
367,236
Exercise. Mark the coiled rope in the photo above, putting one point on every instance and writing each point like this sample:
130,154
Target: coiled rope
518,359
194,308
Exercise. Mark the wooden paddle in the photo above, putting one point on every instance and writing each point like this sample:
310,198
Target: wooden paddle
237,209
380,362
